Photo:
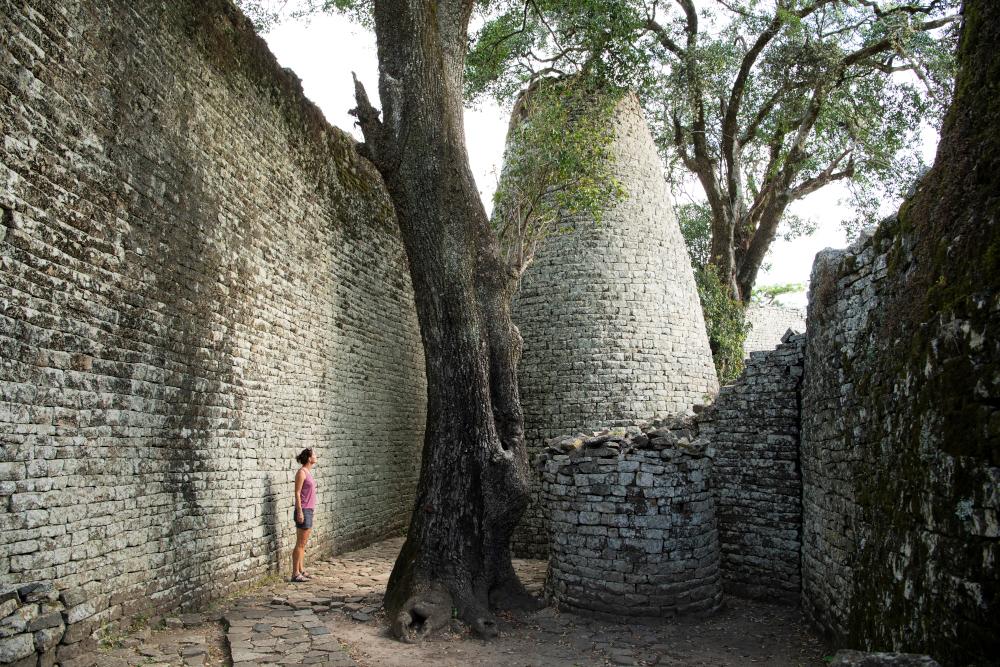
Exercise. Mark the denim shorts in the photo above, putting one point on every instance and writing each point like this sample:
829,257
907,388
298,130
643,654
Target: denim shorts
307,519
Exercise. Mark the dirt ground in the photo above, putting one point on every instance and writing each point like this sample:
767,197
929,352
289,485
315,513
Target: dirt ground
336,620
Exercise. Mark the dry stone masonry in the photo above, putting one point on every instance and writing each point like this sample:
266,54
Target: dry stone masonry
768,324
33,620
900,503
754,427
612,326
633,529
843,292
198,278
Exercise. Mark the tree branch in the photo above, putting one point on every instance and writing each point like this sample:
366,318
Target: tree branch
371,126
889,43
729,130
663,38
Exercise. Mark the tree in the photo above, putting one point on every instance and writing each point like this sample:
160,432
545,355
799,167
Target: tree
764,102
725,317
769,295
473,484
473,481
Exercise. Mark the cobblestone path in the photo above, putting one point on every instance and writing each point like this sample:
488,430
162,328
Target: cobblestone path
336,620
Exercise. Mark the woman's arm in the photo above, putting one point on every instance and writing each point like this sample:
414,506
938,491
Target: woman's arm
300,478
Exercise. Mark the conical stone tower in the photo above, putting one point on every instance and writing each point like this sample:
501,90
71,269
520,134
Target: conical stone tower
612,326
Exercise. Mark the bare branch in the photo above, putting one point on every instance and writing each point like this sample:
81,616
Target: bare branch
736,10
368,120
908,9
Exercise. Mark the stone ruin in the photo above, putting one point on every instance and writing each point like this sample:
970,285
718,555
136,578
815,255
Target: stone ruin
632,522
768,323
609,313
199,277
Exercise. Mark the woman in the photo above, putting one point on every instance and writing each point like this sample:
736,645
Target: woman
305,503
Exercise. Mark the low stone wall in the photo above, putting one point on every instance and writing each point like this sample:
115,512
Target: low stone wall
633,529
754,427
33,619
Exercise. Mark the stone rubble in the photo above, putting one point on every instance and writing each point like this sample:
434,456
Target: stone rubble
32,623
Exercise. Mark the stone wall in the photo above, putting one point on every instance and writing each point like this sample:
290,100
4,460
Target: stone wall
757,481
843,292
612,326
32,622
633,525
768,325
198,279
900,530
901,400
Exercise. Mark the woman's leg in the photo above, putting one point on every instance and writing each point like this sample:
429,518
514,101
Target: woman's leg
298,553
304,534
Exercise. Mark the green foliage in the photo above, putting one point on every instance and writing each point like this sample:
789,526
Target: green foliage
768,294
557,163
725,322
695,220
520,42
265,14
725,317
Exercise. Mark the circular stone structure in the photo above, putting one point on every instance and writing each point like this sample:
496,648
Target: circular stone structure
612,326
633,528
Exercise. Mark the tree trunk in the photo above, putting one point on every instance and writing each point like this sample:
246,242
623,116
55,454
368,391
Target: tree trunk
723,253
473,478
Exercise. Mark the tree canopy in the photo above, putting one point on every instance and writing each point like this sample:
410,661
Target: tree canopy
764,102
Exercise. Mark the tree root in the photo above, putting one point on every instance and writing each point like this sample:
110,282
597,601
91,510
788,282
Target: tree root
431,609
422,614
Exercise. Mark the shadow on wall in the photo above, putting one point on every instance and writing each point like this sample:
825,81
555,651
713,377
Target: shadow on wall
269,519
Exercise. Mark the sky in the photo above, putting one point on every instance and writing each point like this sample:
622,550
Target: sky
324,52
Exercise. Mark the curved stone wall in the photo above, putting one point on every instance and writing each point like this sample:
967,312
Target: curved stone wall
633,524
198,279
612,326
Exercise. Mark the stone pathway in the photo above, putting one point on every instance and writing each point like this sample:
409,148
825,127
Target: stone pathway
336,620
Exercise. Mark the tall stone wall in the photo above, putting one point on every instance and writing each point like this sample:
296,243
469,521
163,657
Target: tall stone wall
609,313
754,428
844,289
198,279
901,400
768,325
900,470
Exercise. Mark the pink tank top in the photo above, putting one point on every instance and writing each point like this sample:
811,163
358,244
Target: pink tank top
308,495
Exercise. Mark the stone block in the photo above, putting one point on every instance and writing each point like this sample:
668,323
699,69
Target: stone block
47,638
16,647
38,592
17,622
7,607
49,620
